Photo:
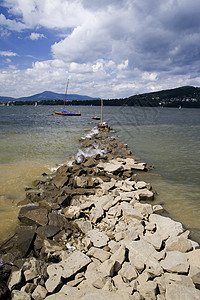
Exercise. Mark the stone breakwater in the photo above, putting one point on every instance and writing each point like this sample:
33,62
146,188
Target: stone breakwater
91,232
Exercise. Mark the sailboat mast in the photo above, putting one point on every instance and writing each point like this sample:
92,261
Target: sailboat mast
66,94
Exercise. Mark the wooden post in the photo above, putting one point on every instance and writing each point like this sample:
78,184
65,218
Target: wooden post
101,110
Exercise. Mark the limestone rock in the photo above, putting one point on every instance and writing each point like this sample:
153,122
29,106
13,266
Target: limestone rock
129,212
176,292
128,272
72,212
144,195
98,238
175,262
15,279
148,290
99,254
66,268
20,295
166,227
144,209
178,243
39,293
80,181
153,239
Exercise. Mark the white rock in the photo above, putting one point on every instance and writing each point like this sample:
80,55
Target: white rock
96,213
153,267
98,253
119,255
140,185
144,209
144,195
72,212
148,290
158,208
14,279
110,267
166,227
140,250
176,292
178,243
19,295
178,280
98,238
66,268
153,239
175,262
39,293
129,212
194,257
128,272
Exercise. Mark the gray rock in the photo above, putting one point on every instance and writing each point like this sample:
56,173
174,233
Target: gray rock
83,225
47,231
175,262
148,290
32,215
25,235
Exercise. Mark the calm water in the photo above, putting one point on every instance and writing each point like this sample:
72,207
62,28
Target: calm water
33,141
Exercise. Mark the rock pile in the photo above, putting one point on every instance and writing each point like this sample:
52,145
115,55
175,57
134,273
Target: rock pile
88,233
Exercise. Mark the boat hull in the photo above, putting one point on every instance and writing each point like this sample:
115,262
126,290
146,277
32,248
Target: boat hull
67,113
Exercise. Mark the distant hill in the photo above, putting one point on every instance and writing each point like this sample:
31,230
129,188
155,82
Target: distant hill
47,95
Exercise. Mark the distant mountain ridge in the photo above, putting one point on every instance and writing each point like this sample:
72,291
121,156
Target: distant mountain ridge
47,95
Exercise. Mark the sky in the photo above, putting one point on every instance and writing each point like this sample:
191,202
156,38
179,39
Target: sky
106,48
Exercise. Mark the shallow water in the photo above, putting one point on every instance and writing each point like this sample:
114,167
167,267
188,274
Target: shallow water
33,141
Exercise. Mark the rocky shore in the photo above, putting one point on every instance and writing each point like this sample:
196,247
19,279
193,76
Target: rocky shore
91,231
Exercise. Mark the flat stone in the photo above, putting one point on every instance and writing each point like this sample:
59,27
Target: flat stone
144,195
129,212
32,215
176,292
144,209
166,227
98,238
140,185
178,243
83,225
153,239
25,235
47,231
178,280
140,250
98,253
66,268
175,262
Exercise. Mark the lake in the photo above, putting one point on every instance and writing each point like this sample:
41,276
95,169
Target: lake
34,140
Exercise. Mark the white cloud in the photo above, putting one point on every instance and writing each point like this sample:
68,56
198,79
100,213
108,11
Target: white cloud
36,36
7,53
110,48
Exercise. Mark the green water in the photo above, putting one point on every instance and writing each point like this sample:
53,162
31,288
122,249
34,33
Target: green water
34,140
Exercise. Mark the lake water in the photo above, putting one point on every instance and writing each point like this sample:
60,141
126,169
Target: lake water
34,140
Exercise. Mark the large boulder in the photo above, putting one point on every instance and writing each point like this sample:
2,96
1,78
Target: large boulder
175,262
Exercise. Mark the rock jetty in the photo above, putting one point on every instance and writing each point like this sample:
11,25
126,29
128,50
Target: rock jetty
91,231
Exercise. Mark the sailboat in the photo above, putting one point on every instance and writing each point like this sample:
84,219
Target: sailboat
64,112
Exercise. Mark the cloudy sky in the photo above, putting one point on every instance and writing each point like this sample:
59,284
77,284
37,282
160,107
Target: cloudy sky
107,48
